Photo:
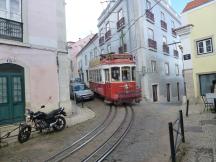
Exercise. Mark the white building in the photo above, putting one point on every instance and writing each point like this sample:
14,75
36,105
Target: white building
127,26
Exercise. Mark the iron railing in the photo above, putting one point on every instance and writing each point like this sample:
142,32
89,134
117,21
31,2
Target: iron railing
12,30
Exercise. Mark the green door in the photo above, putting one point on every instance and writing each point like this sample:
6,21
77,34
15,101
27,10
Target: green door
12,98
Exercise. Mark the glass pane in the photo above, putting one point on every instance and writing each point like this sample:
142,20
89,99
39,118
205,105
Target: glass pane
208,45
107,79
207,83
115,73
3,90
126,75
17,89
3,4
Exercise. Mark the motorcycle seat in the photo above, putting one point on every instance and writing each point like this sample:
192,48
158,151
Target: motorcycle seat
52,113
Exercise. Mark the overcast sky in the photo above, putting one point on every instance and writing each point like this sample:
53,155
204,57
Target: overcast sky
81,16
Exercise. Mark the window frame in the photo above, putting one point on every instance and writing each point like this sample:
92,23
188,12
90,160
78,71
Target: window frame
204,46
120,14
167,71
163,16
153,66
150,30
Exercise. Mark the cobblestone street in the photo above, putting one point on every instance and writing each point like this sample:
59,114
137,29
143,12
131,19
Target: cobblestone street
147,140
200,130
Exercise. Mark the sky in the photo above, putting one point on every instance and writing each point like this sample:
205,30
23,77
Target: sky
82,15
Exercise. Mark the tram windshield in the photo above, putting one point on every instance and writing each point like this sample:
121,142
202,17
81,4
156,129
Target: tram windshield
115,73
126,74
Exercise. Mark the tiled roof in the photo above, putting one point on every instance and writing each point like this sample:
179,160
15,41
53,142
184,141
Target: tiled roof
194,4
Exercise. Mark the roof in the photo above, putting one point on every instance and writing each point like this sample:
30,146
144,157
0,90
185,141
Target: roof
194,4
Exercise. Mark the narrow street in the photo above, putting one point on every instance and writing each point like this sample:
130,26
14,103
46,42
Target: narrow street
147,140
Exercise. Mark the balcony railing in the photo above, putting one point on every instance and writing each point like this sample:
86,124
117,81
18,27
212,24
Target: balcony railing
108,35
173,33
152,44
121,24
101,40
11,30
150,16
176,54
163,25
123,48
165,48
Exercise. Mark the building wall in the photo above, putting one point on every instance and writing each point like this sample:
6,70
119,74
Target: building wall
202,64
42,54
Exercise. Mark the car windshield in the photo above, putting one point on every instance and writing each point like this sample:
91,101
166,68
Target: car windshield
79,87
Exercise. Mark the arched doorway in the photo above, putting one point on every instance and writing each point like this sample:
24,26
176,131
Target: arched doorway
12,93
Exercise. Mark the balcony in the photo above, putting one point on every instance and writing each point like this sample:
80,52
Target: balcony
108,35
152,44
176,54
101,40
163,25
11,30
165,49
150,16
173,33
121,24
123,49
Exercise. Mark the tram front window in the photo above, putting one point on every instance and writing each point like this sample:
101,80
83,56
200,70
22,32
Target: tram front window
126,74
133,73
115,73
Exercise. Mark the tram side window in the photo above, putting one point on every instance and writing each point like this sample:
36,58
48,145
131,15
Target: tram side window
107,78
134,73
115,73
126,74
100,78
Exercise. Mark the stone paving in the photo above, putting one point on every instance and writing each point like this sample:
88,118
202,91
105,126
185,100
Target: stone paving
200,135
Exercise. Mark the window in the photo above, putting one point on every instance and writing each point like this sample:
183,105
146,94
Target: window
177,69
133,73
108,48
115,73
162,16
95,52
10,9
3,90
148,5
150,34
3,4
107,78
126,74
86,60
153,66
166,68
107,27
204,46
120,14
164,40
91,55
207,83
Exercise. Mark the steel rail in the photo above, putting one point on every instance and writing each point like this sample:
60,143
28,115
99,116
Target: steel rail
117,142
92,134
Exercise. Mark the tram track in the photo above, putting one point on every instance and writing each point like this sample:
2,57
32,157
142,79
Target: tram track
114,140
85,139
79,150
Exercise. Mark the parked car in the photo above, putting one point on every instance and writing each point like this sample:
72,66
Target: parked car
79,92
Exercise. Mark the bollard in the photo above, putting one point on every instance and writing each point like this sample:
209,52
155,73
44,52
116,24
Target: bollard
182,125
215,105
187,108
172,146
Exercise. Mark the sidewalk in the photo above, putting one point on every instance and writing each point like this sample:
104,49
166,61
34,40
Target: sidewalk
200,135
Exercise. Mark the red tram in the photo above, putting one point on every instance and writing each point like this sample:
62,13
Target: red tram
113,77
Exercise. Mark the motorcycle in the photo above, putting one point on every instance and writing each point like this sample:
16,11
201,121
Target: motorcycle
42,121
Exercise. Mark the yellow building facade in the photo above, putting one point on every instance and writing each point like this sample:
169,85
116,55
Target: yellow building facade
199,31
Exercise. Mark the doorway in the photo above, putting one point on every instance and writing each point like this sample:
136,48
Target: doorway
12,93
155,92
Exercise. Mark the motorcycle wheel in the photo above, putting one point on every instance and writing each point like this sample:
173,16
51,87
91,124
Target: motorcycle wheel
24,133
60,125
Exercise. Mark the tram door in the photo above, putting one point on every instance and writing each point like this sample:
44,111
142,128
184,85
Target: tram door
12,100
107,83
